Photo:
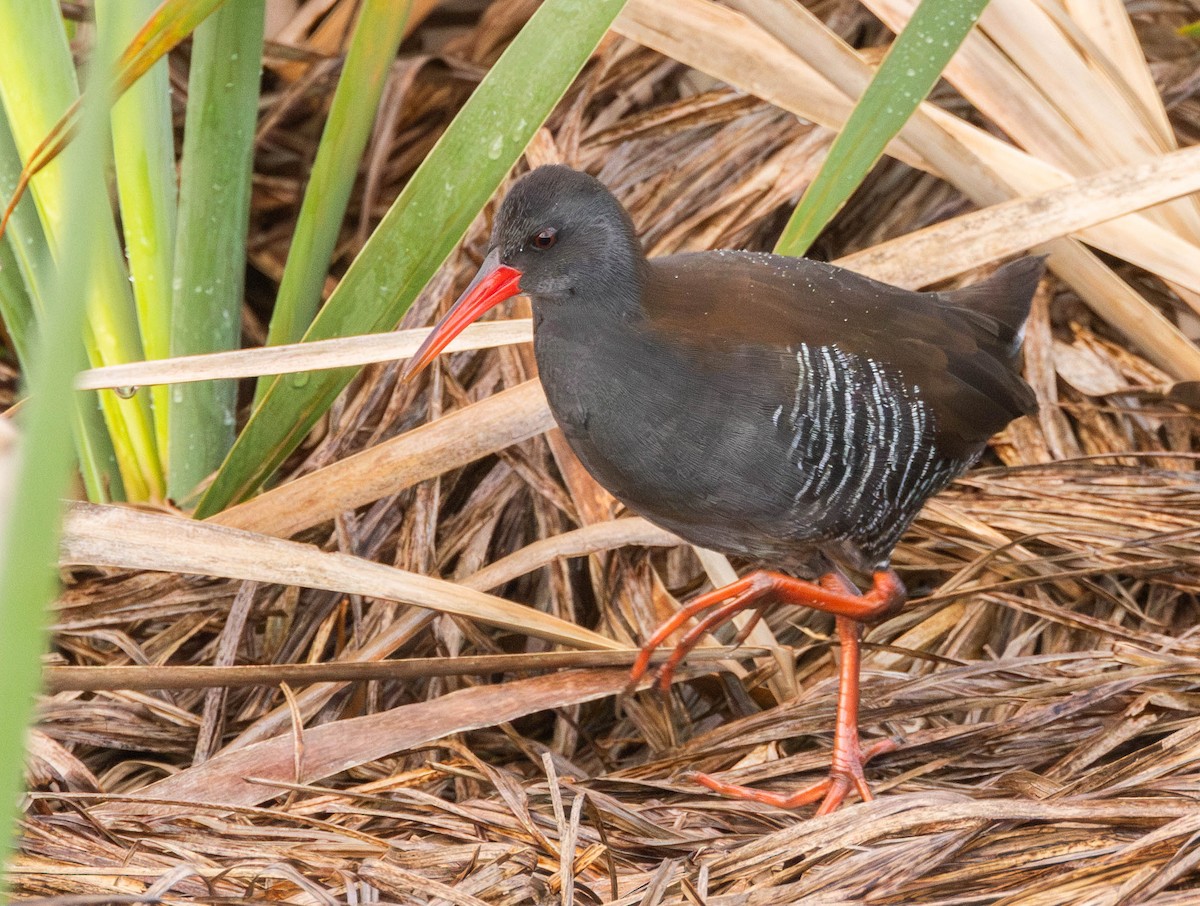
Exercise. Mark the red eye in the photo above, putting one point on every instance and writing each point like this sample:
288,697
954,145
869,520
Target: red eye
545,239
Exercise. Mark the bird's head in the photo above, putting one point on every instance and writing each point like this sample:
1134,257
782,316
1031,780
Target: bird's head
559,236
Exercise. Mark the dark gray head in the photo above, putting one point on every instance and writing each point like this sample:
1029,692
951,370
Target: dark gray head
567,235
560,238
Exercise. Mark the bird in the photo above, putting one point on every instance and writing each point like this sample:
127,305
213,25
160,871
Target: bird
774,408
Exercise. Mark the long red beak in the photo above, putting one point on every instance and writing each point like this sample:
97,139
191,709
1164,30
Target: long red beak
494,283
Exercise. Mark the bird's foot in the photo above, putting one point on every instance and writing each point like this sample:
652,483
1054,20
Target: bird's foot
845,773
832,595
723,603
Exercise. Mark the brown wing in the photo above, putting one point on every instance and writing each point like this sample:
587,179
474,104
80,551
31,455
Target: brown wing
962,359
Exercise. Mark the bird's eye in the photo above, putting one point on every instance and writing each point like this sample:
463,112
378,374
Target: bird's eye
545,239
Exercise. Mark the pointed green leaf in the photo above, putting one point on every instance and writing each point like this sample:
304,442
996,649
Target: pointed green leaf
28,263
144,154
37,84
904,79
431,215
171,23
372,50
214,210
30,523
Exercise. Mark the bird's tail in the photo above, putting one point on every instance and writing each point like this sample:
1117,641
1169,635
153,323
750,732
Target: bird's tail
1004,297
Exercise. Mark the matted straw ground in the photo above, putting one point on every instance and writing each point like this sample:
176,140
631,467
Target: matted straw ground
1044,685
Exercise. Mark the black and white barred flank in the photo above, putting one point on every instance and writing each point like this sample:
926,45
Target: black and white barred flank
863,442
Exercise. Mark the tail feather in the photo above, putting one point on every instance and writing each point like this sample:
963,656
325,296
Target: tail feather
1004,297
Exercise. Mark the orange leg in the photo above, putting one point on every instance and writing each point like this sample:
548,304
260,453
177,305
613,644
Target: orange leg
833,595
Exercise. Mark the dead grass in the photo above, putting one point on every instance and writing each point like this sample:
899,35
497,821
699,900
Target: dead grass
1044,685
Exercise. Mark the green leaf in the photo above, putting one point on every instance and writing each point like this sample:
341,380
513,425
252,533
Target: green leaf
144,154
27,262
30,528
37,83
214,210
907,74
431,215
16,301
16,308
372,50
171,23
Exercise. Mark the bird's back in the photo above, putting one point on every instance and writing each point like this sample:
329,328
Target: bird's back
959,347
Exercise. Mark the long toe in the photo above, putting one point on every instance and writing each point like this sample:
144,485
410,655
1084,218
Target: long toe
803,797
843,777
838,788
